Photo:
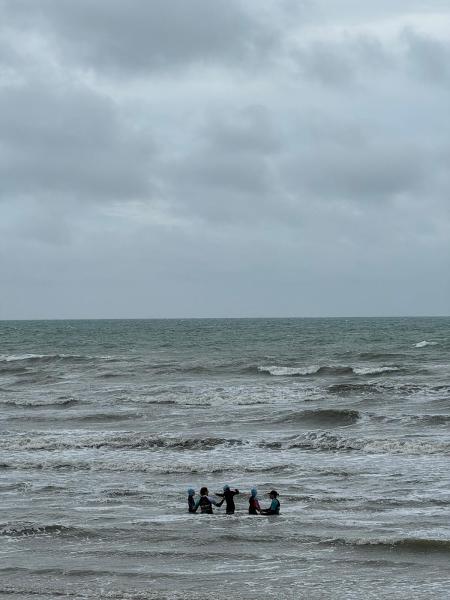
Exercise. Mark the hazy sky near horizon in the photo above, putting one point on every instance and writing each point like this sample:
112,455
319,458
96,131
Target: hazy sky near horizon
177,158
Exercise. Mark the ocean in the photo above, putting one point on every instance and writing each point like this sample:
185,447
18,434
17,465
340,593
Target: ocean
105,424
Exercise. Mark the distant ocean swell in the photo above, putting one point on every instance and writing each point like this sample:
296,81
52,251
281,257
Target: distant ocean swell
28,363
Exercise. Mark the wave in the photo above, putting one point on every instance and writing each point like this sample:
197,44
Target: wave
354,388
424,343
322,440
61,402
74,418
382,356
421,420
143,466
374,370
31,529
193,470
430,419
382,386
41,378
122,493
289,371
104,416
24,574
412,544
322,417
47,358
12,369
329,441
110,375
280,371
112,441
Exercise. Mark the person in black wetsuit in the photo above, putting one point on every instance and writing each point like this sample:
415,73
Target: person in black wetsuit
205,502
253,502
191,500
228,496
274,508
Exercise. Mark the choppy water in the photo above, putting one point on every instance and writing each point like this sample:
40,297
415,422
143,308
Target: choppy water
104,425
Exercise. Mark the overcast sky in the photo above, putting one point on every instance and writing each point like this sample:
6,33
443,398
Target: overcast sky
177,158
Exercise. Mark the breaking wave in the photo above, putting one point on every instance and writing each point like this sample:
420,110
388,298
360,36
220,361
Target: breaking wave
279,371
47,358
424,343
112,441
374,370
319,440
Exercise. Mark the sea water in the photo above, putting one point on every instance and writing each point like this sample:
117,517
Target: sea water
105,424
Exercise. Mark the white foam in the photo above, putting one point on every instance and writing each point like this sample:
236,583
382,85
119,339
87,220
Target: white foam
286,371
373,370
424,343
18,357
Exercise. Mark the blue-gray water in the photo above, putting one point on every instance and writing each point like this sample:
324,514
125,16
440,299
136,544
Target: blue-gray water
105,424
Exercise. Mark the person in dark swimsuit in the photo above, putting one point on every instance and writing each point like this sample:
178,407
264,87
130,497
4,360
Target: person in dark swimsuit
253,502
191,500
228,496
205,502
274,508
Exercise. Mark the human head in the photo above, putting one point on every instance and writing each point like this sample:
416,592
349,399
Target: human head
204,491
226,487
191,492
273,494
253,492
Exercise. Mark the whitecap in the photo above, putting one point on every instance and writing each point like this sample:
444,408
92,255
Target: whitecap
288,371
373,370
424,343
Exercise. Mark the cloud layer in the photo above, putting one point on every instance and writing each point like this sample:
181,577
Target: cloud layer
224,159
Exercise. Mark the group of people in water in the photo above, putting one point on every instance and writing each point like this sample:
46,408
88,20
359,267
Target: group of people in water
206,502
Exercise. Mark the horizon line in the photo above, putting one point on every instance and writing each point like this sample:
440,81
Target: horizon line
27,319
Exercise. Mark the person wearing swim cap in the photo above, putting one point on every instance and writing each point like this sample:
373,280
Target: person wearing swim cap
253,502
228,496
274,508
191,500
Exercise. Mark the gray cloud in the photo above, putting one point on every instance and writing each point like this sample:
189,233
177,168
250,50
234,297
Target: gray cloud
160,161
138,36
427,57
67,139
344,62
370,172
